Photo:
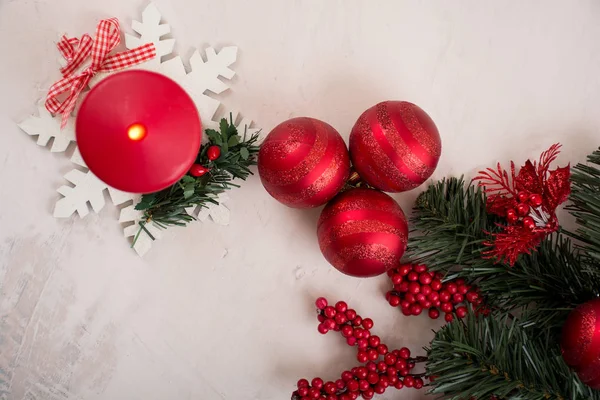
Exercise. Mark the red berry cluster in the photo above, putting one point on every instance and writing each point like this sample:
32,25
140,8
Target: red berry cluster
521,212
382,368
416,289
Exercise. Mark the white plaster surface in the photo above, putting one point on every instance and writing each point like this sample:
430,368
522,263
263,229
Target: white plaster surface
225,312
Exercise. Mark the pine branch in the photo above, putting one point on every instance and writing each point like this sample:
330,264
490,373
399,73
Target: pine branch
168,207
585,207
479,357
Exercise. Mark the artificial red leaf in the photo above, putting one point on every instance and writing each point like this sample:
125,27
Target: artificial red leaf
498,205
508,245
528,180
557,187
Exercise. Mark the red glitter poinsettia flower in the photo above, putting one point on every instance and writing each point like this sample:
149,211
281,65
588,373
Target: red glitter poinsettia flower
528,200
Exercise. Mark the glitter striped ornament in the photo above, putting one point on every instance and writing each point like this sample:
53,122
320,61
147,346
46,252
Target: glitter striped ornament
395,146
362,232
303,162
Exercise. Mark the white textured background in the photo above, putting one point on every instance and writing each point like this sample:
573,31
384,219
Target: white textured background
226,312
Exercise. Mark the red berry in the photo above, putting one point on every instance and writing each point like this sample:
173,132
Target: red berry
341,306
321,303
413,276
425,278
404,353
322,329
403,287
340,384
463,289
522,209
536,200
461,312
426,304
457,298
436,303
329,324
321,317
391,271
426,290
399,384
362,357
433,296
303,392
332,397
390,359
522,196
371,366
336,328
340,318
420,297
446,307
404,372
391,371
368,394
396,279
347,331
367,323
436,285
384,381
329,312
373,354
418,383
529,223
451,288
350,314
472,297
374,341
382,349
317,383
314,393
406,311
198,170
416,309
357,321
302,383
444,296
352,385
448,317
379,389
213,152
420,268
405,304
401,363
459,281
351,340
363,385
434,313
362,343
344,396
373,378
411,298
411,365
348,375
393,379
404,269
409,381
361,373
511,216
330,388
381,366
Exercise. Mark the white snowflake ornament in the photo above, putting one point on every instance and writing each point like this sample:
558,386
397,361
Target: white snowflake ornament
46,127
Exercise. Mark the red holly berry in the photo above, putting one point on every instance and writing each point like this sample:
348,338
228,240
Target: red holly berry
368,394
384,381
403,287
472,297
357,321
425,278
405,304
381,367
529,223
362,343
358,332
433,296
522,209
322,329
418,383
340,318
409,381
373,354
434,313
352,385
374,341
406,311
350,314
329,312
413,276
426,290
302,383
341,306
396,279
436,285
371,366
536,200
420,298
416,309
347,331
317,383
511,216
401,363
446,307
373,378
399,384
382,349
463,289
330,388
420,268
404,270
321,303
340,384
390,359
379,389
367,323
404,353
457,298
213,153
361,373
329,324
522,196
451,288
198,170
303,391
363,385
444,296
351,340
362,357
461,312
448,317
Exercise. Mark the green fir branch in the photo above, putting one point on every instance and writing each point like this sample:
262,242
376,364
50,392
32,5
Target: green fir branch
238,153
478,357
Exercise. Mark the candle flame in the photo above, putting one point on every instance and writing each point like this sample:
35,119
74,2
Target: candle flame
136,132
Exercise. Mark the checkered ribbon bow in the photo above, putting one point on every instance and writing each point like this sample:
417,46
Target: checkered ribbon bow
76,52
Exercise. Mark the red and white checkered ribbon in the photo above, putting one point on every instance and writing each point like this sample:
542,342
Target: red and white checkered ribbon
76,52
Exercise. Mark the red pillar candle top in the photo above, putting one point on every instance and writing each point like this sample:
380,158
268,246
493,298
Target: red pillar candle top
138,131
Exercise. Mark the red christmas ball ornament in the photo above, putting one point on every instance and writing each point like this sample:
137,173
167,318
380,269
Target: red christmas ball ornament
303,163
198,170
395,146
213,153
362,232
579,342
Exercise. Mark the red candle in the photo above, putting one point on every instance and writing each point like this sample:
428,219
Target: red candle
138,131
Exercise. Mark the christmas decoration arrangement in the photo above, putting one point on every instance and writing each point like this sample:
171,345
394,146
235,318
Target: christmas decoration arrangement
150,156
520,293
